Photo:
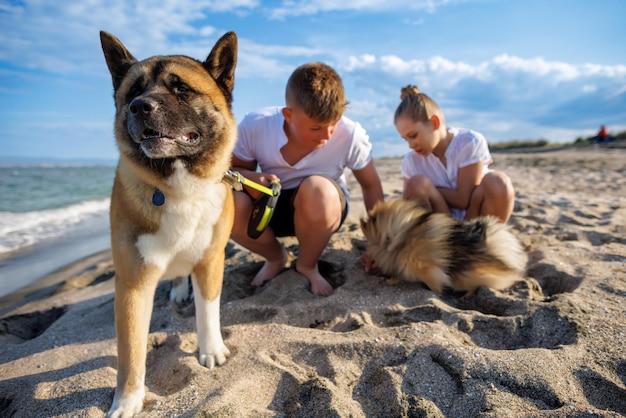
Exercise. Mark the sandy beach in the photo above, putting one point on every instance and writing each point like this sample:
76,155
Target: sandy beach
553,345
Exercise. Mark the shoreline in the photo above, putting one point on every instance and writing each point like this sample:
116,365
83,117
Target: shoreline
47,284
34,264
26,266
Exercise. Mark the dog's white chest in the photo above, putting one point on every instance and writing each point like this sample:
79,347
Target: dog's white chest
186,228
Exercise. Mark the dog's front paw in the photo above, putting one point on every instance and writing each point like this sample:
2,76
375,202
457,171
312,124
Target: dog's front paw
214,356
126,406
393,281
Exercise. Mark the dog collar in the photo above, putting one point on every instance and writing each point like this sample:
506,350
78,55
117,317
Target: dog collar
233,179
158,198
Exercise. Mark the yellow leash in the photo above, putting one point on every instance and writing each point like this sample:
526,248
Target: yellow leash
263,207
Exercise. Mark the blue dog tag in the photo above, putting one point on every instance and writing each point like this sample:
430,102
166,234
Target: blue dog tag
158,198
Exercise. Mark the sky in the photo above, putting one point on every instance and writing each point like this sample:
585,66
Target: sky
510,69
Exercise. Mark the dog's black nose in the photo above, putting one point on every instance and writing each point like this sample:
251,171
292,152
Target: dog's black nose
142,105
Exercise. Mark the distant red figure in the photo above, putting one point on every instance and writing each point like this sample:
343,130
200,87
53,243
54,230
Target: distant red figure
602,136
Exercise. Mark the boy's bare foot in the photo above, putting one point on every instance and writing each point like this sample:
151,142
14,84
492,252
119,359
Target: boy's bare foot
270,270
319,285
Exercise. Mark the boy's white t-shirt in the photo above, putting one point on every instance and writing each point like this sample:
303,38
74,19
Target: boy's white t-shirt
467,147
261,135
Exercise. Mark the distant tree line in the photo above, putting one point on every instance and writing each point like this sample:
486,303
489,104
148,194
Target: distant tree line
589,140
515,144
542,143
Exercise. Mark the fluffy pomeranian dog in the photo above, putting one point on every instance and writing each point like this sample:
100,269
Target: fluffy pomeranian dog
410,243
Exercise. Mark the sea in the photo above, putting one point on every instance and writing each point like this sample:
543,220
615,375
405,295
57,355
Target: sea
51,215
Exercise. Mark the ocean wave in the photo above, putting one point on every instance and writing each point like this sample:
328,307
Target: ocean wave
19,230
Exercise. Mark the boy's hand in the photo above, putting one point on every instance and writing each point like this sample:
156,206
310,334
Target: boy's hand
266,178
369,262
261,178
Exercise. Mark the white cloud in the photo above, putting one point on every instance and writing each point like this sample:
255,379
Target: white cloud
248,46
360,62
603,70
589,88
506,97
557,71
455,71
376,113
205,31
500,67
59,33
271,61
311,7
262,67
398,66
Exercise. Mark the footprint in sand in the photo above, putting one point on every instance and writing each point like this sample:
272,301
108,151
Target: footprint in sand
166,373
604,393
30,325
541,327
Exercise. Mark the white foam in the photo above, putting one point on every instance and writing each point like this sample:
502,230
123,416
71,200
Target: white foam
19,230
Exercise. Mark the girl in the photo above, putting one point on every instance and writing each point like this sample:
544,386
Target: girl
447,169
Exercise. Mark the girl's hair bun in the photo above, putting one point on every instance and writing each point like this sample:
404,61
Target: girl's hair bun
409,91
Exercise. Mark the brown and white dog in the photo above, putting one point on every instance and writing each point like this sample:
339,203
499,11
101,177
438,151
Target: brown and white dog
171,215
410,243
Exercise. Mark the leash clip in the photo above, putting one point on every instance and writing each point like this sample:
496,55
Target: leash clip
234,179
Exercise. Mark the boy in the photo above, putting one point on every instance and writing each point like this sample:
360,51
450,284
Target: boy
306,146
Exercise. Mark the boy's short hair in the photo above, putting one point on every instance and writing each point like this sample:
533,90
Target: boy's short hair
317,90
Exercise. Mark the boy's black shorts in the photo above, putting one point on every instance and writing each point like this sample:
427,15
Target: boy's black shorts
282,217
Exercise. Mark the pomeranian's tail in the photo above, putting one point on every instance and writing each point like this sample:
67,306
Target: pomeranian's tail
505,246
507,265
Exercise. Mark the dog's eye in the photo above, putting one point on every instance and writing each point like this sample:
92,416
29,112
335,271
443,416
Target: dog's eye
135,90
134,93
181,89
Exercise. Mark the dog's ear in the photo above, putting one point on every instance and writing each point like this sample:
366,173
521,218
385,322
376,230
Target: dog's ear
222,61
118,59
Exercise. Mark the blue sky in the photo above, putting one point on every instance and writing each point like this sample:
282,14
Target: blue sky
516,69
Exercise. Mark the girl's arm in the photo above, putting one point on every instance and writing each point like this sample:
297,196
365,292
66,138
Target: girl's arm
469,177
424,191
